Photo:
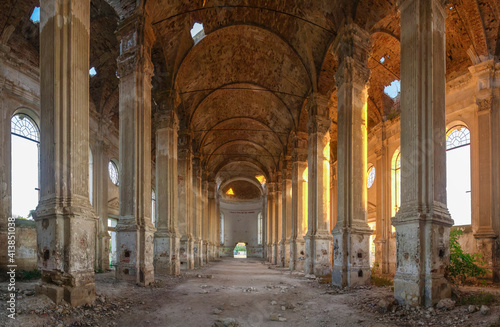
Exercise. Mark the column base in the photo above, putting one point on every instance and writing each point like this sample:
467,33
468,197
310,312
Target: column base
318,254
206,251
281,257
75,296
167,253
423,255
270,253
486,245
301,255
186,253
136,253
197,252
103,254
66,250
285,254
381,256
275,255
351,252
408,291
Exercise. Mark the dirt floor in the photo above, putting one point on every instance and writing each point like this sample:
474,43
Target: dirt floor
245,292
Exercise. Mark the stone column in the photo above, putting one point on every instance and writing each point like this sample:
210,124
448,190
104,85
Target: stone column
351,233
277,221
218,227
485,191
185,192
270,221
264,226
299,203
135,231
318,238
423,221
197,211
212,189
167,237
101,161
65,220
286,216
383,184
205,219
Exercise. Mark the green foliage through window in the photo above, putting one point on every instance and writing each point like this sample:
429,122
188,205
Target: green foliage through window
463,265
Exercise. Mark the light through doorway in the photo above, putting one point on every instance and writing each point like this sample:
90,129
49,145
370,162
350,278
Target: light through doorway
240,250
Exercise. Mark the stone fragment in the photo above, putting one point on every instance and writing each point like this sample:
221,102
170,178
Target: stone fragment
446,304
472,308
485,310
383,305
274,317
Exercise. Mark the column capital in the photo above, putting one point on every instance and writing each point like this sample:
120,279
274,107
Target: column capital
318,124
317,105
403,4
136,36
287,173
270,188
184,140
166,119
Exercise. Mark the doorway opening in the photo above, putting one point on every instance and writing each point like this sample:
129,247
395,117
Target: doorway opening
240,250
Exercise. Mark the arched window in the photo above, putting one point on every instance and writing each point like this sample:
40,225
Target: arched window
221,228
259,228
91,176
458,174
113,171
25,143
371,176
153,207
396,181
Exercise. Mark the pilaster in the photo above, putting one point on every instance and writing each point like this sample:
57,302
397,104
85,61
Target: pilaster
167,237
423,221
383,223
213,218
135,231
485,163
286,215
270,221
277,220
351,233
185,193
102,238
65,220
197,211
318,238
205,219
299,203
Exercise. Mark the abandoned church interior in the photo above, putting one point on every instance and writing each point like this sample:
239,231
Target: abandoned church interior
145,140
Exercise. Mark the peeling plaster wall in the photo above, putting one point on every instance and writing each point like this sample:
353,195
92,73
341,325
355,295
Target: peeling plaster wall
240,225
25,245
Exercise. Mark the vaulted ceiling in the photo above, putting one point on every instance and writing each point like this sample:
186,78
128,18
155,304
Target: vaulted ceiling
241,89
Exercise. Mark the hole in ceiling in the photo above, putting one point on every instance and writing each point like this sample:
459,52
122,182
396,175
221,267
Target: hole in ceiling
382,60
35,16
92,72
197,32
393,89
